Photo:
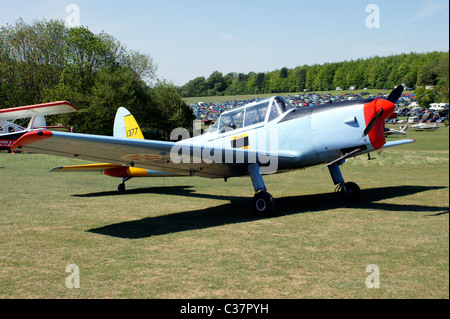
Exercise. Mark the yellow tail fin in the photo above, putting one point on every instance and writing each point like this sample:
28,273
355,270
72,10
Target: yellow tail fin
132,129
125,125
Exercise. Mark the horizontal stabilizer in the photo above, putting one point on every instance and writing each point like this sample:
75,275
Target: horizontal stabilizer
113,170
85,168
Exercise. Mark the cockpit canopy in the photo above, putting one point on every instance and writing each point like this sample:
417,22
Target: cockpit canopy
252,114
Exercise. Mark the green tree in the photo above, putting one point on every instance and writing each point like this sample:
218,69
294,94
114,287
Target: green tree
443,78
216,83
425,97
310,78
324,80
302,78
428,75
283,73
195,87
47,61
259,82
170,111
31,59
340,76
414,63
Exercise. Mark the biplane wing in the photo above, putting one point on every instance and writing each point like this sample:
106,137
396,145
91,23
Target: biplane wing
43,109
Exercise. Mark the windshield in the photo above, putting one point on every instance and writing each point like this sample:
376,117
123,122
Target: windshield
213,128
256,114
231,120
251,115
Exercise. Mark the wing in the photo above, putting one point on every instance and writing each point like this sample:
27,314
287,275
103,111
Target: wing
149,154
397,143
37,110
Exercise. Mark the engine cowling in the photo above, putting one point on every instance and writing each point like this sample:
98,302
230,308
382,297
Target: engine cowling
372,109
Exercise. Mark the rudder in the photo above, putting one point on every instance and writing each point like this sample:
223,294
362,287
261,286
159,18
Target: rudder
125,125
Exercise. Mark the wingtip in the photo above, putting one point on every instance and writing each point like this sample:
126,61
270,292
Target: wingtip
31,137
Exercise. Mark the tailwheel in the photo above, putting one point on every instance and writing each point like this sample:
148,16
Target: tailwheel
121,187
263,204
350,192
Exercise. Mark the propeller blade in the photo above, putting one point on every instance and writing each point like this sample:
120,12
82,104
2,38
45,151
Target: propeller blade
372,123
395,94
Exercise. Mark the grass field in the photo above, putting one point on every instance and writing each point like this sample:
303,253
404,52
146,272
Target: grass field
196,238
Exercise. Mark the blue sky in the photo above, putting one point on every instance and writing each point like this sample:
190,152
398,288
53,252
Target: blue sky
191,38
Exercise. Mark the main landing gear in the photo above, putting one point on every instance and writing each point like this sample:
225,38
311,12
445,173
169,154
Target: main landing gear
349,191
263,202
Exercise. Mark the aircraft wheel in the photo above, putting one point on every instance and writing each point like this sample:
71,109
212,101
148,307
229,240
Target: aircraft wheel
121,188
263,204
352,192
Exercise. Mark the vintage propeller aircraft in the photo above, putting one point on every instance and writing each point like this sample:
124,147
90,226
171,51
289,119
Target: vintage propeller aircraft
264,137
390,131
425,127
10,131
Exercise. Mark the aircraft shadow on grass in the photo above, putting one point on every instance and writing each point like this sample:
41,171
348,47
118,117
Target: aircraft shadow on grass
235,211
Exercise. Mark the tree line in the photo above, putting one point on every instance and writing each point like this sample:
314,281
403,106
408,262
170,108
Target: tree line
47,61
413,69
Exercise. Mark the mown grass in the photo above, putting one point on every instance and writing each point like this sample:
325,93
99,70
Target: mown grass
196,238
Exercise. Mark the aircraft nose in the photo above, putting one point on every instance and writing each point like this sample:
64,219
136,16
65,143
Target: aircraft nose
387,107
375,120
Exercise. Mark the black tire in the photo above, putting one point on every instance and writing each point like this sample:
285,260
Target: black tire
263,204
121,188
351,193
